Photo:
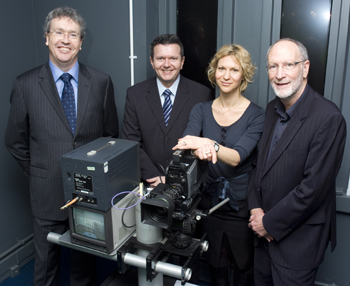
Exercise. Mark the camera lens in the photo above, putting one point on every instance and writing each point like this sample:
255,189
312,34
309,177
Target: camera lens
160,212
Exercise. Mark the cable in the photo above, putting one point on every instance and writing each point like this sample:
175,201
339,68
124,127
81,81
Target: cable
160,166
71,202
127,192
164,173
124,211
129,207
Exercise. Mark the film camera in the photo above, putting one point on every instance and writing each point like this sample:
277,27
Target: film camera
172,206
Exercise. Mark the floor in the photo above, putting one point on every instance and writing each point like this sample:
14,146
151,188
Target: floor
25,278
106,275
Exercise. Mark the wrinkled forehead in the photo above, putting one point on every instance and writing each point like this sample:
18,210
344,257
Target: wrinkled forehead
284,51
64,22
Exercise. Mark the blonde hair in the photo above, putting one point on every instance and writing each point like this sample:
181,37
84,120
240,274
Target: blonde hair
243,58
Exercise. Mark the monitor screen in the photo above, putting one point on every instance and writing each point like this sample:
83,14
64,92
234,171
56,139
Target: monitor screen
100,230
89,224
91,228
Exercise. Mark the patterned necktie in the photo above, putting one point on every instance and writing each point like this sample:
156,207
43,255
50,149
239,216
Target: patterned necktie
167,106
68,101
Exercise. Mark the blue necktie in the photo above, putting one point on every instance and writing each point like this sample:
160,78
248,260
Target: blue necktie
167,106
68,101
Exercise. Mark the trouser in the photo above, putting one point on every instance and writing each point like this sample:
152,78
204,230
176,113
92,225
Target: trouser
221,275
48,257
268,273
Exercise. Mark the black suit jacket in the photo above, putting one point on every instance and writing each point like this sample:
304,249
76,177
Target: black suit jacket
38,132
144,121
296,185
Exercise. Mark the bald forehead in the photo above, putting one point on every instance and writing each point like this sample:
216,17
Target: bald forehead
284,51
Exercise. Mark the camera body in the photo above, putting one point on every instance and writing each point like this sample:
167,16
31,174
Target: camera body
172,206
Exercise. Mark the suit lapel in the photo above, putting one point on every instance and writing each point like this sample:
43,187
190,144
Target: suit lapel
287,136
155,104
267,133
84,87
180,100
293,127
49,88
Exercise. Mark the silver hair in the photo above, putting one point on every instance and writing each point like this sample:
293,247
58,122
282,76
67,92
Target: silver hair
65,12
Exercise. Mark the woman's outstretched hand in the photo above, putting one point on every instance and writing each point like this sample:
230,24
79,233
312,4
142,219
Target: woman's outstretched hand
202,148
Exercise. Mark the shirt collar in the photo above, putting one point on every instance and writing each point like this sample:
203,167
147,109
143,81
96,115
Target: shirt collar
56,72
173,88
281,110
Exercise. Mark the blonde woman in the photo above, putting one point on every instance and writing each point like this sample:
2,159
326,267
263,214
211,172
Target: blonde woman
231,127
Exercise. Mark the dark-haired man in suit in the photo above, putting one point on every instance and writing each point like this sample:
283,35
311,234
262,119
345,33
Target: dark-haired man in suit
40,130
144,119
292,190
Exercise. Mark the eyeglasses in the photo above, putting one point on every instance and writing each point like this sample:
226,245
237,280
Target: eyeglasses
285,67
60,35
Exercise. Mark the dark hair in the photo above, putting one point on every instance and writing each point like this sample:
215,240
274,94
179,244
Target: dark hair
243,58
65,12
166,39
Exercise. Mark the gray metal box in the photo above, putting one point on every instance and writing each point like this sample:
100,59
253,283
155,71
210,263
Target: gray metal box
99,170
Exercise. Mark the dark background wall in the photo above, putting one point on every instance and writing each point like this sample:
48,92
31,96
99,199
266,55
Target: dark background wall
17,54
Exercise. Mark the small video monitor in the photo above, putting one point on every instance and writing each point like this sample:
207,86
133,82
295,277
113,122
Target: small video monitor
104,231
89,224
91,228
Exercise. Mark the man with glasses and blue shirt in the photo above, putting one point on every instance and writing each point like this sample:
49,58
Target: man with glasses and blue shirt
56,108
291,195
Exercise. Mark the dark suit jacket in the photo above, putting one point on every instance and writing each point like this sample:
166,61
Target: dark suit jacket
144,121
38,132
296,186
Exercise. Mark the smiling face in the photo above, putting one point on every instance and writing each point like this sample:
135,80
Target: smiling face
228,75
63,52
288,84
167,63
